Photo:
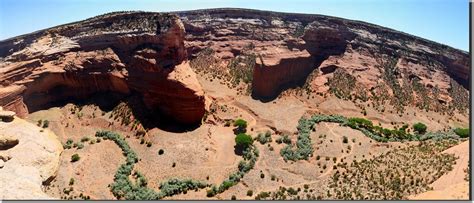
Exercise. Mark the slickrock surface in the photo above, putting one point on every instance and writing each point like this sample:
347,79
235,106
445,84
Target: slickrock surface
28,157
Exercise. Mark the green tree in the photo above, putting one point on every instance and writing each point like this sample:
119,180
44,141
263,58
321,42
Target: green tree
241,126
462,132
243,141
420,128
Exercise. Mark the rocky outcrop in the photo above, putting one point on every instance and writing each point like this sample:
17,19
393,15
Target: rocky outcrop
124,53
29,157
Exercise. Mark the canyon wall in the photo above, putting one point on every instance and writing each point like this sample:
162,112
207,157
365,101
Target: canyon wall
146,53
292,46
124,53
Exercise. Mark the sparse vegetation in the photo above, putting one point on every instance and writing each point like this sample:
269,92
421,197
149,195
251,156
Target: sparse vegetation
45,124
69,144
123,187
75,157
250,155
395,174
263,139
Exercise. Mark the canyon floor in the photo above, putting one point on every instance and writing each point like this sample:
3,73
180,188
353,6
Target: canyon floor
206,153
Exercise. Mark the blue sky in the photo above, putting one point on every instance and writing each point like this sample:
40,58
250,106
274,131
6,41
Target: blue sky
444,21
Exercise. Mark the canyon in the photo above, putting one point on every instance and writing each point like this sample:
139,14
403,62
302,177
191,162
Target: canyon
173,83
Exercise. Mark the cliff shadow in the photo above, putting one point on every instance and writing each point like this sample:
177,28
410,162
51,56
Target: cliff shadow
107,101
295,75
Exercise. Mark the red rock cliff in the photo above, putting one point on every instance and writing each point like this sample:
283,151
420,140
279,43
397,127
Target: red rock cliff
125,53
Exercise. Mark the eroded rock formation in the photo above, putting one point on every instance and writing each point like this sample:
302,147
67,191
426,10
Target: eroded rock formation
292,46
125,53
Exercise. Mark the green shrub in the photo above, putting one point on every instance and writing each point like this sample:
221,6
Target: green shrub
85,139
71,181
45,123
75,157
284,139
263,139
175,186
68,144
344,140
262,195
420,128
241,126
80,145
249,193
462,132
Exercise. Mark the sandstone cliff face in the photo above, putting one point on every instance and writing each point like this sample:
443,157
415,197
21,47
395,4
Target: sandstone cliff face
137,53
31,158
292,46
125,53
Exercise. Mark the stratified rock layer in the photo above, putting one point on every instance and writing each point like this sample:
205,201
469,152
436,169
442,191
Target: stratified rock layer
291,46
124,53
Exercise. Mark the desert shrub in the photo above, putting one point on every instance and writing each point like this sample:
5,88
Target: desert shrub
233,197
175,186
263,139
304,148
437,136
272,177
420,128
161,152
149,144
462,132
249,193
262,195
71,181
80,145
68,144
75,157
85,139
45,123
283,139
344,140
